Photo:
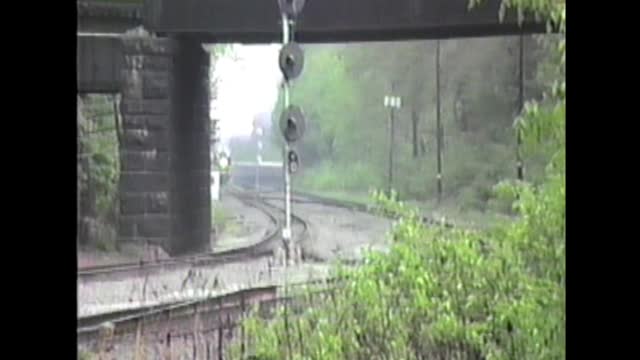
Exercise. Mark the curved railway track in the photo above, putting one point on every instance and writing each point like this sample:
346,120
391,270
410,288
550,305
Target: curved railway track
262,248
301,197
297,221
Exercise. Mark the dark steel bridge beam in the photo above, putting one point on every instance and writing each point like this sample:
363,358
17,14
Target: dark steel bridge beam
257,21
98,61
106,17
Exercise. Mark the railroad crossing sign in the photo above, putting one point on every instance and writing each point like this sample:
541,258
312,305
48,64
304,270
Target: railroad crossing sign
392,102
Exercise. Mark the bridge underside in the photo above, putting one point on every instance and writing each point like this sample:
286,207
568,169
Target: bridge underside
98,64
165,163
105,17
258,21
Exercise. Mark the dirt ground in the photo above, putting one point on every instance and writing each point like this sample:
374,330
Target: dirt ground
242,225
126,254
340,233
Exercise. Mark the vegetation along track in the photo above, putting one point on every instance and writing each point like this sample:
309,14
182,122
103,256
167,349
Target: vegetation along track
238,254
178,319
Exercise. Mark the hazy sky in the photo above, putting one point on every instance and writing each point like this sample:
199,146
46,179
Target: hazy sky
248,85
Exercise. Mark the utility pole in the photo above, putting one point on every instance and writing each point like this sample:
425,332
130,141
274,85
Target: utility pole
258,133
391,102
519,163
438,125
391,145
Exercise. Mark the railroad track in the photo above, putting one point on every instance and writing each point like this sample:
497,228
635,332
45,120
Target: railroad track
301,197
176,317
301,234
272,182
140,269
224,310
265,247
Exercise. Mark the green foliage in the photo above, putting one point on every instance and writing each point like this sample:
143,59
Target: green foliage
99,143
330,114
98,172
498,293
85,355
339,176
346,142
220,218
105,242
389,205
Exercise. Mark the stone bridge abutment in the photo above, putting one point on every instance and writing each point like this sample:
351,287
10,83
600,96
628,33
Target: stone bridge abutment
165,163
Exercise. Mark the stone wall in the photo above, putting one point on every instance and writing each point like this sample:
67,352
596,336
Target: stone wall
190,156
165,112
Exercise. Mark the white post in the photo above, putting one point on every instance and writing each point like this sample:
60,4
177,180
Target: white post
258,157
215,187
286,232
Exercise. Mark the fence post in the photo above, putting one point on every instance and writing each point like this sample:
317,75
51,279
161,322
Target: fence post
220,330
286,326
168,350
107,333
196,319
220,334
138,333
242,310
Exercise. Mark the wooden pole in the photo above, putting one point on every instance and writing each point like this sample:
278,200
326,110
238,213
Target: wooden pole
438,124
519,164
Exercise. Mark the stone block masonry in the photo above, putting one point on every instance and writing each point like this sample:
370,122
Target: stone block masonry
164,196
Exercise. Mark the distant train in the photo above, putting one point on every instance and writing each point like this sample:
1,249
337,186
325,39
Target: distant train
223,163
